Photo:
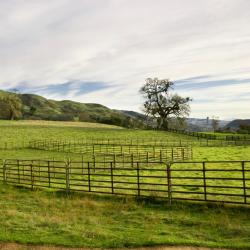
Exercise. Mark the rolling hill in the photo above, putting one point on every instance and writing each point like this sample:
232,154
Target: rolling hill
235,124
35,107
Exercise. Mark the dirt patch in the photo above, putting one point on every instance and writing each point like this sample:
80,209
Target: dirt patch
15,246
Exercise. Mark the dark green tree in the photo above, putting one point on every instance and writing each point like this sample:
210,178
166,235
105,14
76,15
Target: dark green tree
10,106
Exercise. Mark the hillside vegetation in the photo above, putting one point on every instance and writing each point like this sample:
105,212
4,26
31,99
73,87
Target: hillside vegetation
35,107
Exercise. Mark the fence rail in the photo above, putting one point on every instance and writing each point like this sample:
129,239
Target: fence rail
139,152
200,135
81,146
210,181
201,141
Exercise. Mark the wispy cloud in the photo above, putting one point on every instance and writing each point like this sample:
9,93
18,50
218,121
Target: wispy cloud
111,46
203,83
75,88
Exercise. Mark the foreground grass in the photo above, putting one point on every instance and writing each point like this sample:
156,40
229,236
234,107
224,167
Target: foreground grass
38,217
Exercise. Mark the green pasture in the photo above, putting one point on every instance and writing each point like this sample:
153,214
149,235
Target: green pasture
19,131
81,219
51,218
225,134
199,153
25,131
35,130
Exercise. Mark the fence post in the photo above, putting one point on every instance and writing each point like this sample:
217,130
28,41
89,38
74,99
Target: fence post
169,183
183,154
244,181
112,177
82,165
94,162
138,179
204,180
114,159
123,160
67,168
31,175
147,159
4,171
49,172
18,171
89,184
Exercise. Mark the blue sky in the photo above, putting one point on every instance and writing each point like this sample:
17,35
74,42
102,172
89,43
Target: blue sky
102,51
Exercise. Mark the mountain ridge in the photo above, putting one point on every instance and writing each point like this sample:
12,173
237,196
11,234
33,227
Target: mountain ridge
36,107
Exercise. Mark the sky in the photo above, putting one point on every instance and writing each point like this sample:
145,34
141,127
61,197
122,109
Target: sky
101,51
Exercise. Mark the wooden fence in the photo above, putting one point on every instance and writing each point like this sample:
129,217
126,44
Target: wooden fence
124,142
139,152
200,135
114,146
9,145
211,181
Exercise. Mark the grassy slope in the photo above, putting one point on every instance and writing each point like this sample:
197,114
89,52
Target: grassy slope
38,107
30,130
97,221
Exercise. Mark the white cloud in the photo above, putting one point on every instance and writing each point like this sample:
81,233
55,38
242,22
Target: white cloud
123,42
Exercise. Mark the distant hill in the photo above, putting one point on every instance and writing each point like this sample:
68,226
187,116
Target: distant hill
134,114
39,108
200,125
35,107
235,124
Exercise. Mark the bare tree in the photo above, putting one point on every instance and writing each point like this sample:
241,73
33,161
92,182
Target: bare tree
161,104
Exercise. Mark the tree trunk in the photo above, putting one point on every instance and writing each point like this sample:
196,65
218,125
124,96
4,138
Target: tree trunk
12,115
164,124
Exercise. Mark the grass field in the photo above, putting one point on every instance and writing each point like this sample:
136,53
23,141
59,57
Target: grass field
224,135
24,131
49,217
35,130
40,217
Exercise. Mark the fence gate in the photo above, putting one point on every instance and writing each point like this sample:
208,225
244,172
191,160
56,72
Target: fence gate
35,173
214,181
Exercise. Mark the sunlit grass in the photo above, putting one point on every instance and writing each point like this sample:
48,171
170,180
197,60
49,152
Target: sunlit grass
39,217
50,217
